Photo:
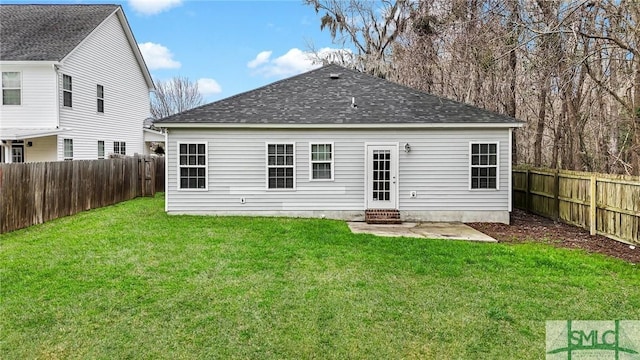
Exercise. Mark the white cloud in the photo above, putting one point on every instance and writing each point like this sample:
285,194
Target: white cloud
294,61
152,7
157,56
208,86
260,59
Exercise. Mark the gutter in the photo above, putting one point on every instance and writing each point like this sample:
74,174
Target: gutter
169,125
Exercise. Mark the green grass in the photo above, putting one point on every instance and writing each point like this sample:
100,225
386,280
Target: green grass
129,281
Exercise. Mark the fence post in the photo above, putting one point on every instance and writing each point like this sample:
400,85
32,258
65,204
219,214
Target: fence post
592,206
527,194
556,194
139,173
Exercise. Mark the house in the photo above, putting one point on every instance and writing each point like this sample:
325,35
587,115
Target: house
74,83
337,143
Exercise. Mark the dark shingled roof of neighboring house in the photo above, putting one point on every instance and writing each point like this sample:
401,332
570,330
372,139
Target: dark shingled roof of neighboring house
46,32
317,97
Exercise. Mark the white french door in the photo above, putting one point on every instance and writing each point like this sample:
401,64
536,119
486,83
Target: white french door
381,176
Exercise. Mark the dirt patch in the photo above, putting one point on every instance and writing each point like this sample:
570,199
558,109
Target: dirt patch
529,227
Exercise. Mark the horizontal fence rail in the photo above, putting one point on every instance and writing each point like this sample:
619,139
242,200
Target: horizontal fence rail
604,204
33,193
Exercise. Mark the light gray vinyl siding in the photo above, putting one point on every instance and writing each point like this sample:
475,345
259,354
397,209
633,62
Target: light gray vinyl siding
437,168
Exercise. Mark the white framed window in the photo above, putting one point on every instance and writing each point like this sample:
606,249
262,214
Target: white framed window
321,161
120,147
68,149
11,88
100,149
17,151
67,89
281,166
483,165
100,98
192,166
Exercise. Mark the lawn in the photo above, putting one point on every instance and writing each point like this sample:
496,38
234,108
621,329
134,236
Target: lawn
129,281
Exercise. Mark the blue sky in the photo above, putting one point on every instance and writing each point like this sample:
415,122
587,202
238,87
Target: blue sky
228,46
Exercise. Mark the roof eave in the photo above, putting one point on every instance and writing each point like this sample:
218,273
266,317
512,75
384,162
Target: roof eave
29,62
136,50
177,125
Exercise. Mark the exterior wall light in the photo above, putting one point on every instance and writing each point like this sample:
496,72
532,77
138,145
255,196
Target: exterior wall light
407,148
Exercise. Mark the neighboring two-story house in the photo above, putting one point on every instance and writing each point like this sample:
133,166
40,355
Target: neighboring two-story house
74,83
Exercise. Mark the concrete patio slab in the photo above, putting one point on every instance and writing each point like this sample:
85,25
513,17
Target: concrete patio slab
427,230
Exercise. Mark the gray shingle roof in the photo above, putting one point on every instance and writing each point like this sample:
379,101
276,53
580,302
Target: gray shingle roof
316,98
46,32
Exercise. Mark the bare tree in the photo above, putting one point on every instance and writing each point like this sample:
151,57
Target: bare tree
174,96
371,27
569,68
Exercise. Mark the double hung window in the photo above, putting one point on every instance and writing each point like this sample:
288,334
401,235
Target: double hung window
192,165
484,165
280,166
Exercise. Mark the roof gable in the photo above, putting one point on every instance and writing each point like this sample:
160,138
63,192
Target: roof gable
47,32
318,97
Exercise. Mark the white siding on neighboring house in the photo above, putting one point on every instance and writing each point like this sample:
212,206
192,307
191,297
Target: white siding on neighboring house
37,107
104,58
437,168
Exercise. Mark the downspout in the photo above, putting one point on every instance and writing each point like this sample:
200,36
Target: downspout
55,70
510,195
57,75
166,170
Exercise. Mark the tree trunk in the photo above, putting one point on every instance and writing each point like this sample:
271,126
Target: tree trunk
542,111
635,126
613,147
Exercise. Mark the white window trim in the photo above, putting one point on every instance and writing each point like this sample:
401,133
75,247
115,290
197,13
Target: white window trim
120,142
497,143
17,144
333,150
266,165
69,91
103,149
206,165
98,98
12,88
64,149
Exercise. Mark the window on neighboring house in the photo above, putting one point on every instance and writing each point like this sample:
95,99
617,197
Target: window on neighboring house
100,96
484,165
321,161
17,151
192,165
280,166
120,147
11,88
66,91
68,149
100,149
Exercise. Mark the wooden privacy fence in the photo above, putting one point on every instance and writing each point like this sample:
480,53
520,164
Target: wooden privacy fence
33,193
608,205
